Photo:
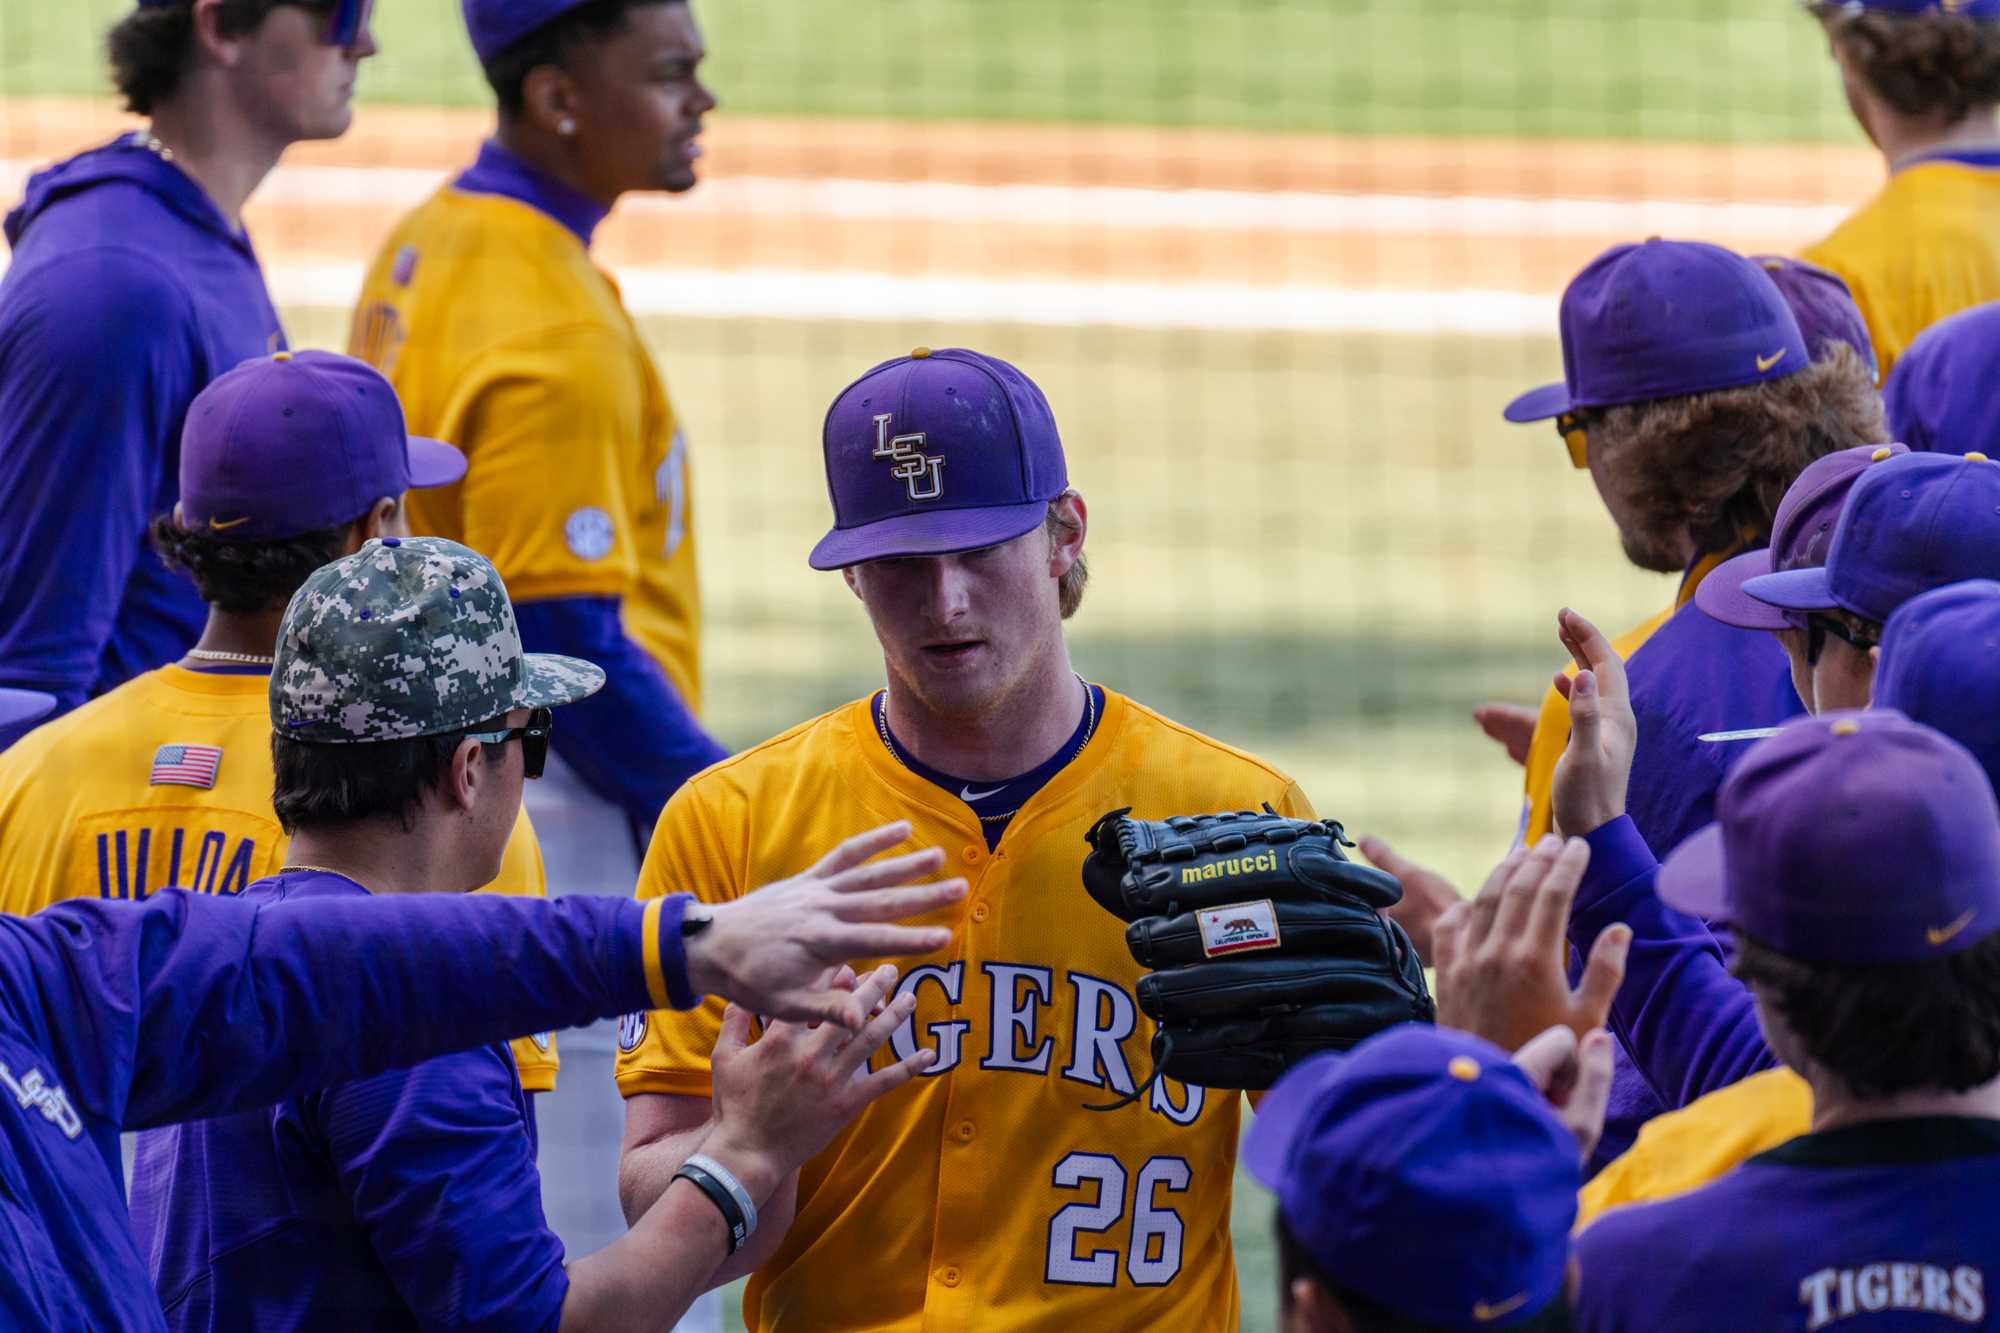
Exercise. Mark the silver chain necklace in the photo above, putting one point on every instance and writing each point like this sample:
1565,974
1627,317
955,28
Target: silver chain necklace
248,659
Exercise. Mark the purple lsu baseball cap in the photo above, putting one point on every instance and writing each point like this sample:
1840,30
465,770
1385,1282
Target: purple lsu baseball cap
1976,9
1852,837
1822,304
1423,1132
297,442
1940,398
344,18
1665,318
1938,653
935,452
1801,531
1911,523
495,25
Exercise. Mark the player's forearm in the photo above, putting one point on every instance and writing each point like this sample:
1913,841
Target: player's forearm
645,1178
648,1277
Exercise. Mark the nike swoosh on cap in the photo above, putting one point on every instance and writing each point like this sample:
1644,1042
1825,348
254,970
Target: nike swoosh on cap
1764,363
968,795
1942,934
220,526
1486,1314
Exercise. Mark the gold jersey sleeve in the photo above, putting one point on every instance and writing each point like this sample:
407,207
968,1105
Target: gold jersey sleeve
984,1194
1926,246
1686,1149
502,337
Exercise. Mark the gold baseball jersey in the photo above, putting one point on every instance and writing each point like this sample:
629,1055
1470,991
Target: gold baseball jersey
983,1195
165,782
1926,246
503,338
1685,1149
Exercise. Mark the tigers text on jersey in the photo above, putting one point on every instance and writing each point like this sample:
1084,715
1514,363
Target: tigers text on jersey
94,805
1926,246
502,338
983,1195
1885,1225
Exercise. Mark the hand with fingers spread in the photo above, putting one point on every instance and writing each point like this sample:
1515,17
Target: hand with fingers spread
1427,895
1509,724
1593,773
1574,1073
1500,956
770,951
781,1098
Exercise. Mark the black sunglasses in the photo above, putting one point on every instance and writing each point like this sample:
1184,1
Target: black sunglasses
1819,626
534,739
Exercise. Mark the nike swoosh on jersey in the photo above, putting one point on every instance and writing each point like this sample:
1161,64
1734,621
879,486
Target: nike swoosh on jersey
1941,934
220,526
968,795
1764,363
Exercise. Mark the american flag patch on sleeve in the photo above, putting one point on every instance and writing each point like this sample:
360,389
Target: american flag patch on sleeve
186,765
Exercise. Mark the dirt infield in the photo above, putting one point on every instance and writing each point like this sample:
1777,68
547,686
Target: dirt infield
1074,202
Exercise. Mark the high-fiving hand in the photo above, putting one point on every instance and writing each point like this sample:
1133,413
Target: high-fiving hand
1594,772
770,951
1500,957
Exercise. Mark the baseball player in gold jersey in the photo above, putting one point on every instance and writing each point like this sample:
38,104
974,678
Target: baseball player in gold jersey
984,1195
287,462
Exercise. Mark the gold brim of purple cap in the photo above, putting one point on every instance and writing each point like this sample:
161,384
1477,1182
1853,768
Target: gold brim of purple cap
550,680
1543,404
1695,877
1721,597
1793,589
932,532
434,463
18,706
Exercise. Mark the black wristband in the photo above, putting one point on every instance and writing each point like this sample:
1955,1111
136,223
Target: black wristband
725,1203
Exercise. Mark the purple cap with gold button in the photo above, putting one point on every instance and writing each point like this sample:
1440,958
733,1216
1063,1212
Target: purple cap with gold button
1422,1131
1910,524
1663,319
495,25
1801,532
1822,304
1852,837
296,443
935,452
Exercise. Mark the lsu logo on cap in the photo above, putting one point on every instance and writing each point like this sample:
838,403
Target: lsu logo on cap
923,473
1238,928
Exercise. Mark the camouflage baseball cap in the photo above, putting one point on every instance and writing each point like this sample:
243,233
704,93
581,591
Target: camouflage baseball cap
410,636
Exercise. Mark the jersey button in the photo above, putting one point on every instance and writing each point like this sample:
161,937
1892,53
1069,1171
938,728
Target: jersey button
965,1131
979,912
949,1276
974,853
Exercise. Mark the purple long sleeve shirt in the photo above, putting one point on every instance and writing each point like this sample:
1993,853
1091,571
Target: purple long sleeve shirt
1688,1025
133,1015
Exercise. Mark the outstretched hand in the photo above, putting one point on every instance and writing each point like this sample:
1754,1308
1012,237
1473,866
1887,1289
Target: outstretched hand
1592,776
780,1099
770,951
1427,895
1511,726
1500,957
1575,1076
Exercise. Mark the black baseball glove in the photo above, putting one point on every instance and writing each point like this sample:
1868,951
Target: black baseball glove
1266,943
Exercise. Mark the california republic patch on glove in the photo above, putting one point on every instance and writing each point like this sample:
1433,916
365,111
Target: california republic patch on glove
1266,943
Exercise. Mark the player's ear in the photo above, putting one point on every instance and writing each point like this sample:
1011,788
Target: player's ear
383,519
209,38
1313,1309
465,772
853,581
548,100
1070,523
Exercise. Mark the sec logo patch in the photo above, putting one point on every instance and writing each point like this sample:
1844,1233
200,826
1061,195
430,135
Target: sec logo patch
631,1031
588,532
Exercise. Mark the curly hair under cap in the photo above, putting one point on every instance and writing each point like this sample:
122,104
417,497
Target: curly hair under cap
1935,64
245,577
1715,465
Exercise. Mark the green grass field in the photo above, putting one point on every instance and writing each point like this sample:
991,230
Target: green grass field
1725,70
